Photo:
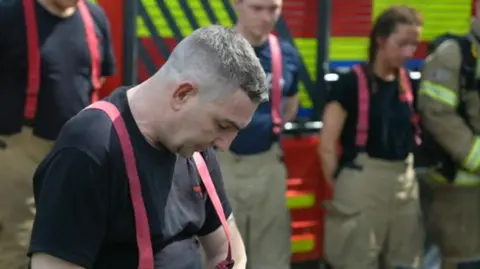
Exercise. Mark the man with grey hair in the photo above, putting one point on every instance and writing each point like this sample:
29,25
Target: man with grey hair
86,211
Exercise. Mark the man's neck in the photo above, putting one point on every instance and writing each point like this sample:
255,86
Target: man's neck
56,10
138,103
252,39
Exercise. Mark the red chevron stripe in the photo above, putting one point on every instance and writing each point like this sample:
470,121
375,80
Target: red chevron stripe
421,52
149,45
142,71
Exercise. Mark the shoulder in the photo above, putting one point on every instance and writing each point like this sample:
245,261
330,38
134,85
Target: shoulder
347,79
10,5
449,54
289,52
344,89
11,11
98,14
89,131
96,9
287,47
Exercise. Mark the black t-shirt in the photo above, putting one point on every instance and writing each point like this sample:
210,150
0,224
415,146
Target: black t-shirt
84,212
65,78
391,133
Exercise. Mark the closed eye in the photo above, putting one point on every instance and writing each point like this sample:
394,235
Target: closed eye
223,127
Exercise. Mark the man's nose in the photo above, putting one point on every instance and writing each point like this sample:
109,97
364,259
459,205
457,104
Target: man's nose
266,16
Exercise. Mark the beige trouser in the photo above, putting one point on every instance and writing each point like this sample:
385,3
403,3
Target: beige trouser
256,188
375,216
18,162
454,222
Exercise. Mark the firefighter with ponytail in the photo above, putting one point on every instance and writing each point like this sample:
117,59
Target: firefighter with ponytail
375,209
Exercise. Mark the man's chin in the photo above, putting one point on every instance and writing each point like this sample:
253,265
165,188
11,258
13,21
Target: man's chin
186,152
263,31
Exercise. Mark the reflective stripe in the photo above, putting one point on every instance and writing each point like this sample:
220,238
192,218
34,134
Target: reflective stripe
300,201
472,162
439,93
303,245
463,178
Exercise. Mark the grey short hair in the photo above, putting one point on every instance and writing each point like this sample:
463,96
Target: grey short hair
219,60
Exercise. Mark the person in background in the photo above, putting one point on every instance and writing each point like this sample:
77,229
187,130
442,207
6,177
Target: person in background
374,217
449,107
66,86
255,178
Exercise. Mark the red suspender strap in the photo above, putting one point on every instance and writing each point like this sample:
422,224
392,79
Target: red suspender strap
276,83
33,46
212,193
406,95
33,81
363,106
93,46
145,252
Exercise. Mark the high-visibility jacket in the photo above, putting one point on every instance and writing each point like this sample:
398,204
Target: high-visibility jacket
449,106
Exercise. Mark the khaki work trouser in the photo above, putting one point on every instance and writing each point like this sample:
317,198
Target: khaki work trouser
454,222
18,161
375,216
256,188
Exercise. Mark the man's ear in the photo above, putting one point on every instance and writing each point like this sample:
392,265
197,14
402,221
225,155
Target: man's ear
182,94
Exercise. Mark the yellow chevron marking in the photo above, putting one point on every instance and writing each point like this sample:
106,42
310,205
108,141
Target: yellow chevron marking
220,12
158,19
179,17
199,12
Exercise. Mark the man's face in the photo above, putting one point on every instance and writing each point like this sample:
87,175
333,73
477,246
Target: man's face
258,16
64,4
203,123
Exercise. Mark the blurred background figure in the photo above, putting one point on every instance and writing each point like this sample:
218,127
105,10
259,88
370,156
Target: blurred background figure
255,177
374,213
54,56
